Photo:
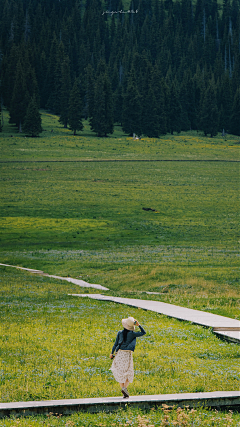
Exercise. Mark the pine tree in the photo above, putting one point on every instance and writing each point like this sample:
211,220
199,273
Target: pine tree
41,71
235,118
150,124
236,69
27,60
89,91
198,87
53,77
209,115
160,89
9,69
1,126
153,118
20,98
75,108
186,16
31,82
225,13
92,20
65,92
132,107
97,119
184,101
32,122
118,104
226,102
149,110
102,118
175,109
192,109
54,101
49,84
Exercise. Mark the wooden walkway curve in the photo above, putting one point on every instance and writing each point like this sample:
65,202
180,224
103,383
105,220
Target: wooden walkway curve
77,282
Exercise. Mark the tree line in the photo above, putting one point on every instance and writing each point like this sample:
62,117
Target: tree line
161,67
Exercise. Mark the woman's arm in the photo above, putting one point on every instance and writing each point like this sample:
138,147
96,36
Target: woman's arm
114,346
139,334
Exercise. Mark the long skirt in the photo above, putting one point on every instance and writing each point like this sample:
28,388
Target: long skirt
122,366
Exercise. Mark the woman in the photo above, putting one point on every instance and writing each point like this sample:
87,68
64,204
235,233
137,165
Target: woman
122,366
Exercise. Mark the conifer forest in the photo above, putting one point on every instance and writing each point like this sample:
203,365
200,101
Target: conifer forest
150,66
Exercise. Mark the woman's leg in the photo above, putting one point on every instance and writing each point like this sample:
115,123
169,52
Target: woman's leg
126,384
124,389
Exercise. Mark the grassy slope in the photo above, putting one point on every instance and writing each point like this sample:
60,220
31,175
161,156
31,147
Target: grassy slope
56,143
87,218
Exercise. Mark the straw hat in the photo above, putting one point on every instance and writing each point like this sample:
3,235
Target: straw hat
129,323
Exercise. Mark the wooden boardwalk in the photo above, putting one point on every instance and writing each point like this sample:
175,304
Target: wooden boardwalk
224,400
77,282
222,326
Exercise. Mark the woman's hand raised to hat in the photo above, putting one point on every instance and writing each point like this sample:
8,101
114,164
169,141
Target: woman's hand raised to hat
136,322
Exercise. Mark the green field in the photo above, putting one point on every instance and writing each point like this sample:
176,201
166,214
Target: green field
86,219
54,346
135,418
57,143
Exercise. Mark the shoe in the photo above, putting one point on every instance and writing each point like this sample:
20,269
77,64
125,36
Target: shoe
125,393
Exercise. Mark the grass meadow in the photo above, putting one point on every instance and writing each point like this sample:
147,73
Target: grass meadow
87,219
135,418
54,346
57,143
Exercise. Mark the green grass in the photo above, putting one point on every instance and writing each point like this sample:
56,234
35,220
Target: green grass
94,204
86,219
133,417
54,346
57,143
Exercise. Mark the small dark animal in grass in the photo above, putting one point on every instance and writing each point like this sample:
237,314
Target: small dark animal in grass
149,209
